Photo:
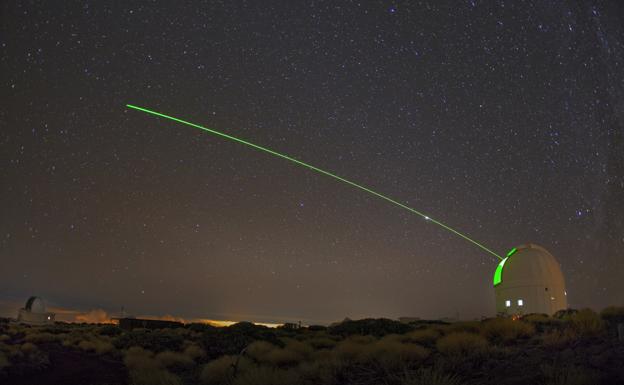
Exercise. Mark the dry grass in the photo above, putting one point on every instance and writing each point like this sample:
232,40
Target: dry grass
506,329
462,344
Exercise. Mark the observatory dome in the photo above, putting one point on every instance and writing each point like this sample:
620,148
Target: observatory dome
529,280
35,305
34,312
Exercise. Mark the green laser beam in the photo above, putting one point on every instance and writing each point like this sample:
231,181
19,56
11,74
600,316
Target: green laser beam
320,171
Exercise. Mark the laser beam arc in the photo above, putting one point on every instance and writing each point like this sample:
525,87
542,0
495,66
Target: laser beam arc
321,171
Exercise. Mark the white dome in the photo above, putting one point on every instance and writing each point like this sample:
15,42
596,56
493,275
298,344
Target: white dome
529,280
35,305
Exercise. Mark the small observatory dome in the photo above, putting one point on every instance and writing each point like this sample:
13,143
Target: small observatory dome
35,305
34,313
529,280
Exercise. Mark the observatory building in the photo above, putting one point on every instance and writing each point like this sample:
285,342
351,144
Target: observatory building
34,313
529,280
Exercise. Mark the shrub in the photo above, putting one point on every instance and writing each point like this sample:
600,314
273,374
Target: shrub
28,347
587,323
569,375
611,314
462,344
97,346
377,327
153,377
262,375
506,329
321,343
221,371
259,350
4,361
558,338
110,330
41,337
392,355
352,348
4,337
155,340
423,336
429,376
194,352
137,358
284,357
174,360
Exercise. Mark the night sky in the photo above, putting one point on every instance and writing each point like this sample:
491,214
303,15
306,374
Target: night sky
504,120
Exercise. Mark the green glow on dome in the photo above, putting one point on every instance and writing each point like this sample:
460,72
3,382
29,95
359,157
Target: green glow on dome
320,171
512,252
498,274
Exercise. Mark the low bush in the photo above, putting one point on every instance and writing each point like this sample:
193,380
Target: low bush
587,323
153,377
426,336
44,337
97,346
174,360
157,340
223,370
28,347
137,358
377,327
613,314
4,361
262,375
462,344
569,375
321,342
428,376
502,329
391,354
194,352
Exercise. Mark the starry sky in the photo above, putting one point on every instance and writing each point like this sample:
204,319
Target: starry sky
502,119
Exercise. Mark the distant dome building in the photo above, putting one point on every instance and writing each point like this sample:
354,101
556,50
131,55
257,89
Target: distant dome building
529,280
34,313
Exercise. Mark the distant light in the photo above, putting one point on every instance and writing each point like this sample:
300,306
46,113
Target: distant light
520,302
565,292
48,318
427,218
552,298
508,303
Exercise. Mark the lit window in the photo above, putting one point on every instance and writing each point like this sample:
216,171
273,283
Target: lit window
520,302
508,303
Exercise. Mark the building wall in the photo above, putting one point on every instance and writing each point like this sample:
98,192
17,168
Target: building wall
30,318
536,299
